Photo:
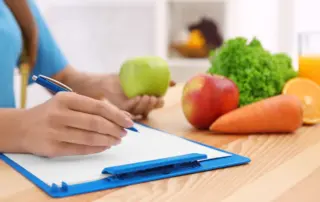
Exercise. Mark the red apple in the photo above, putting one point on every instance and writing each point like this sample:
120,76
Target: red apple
206,97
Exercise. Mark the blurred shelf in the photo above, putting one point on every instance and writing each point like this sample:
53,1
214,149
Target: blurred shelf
209,16
189,63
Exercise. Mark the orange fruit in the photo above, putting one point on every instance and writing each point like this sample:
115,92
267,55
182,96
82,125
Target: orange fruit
309,93
196,39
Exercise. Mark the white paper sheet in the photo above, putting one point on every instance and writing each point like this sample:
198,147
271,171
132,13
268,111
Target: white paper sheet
149,144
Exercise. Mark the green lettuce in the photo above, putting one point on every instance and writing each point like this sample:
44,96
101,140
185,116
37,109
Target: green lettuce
257,73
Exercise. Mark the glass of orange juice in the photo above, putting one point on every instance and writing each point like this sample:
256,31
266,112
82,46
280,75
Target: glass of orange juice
309,55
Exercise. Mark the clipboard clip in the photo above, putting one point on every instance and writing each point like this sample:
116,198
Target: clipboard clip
143,170
55,188
154,168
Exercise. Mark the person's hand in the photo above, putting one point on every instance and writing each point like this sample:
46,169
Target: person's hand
108,87
139,106
72,124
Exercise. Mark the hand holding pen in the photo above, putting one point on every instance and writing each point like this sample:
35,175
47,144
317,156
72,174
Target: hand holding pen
72,124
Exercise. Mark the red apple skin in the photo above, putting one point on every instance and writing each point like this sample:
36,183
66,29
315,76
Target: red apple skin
206,97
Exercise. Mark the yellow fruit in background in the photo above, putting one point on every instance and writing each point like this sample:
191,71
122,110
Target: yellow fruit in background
309,67
309,93
196,39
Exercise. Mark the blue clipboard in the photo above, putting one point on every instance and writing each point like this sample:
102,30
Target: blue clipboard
136,173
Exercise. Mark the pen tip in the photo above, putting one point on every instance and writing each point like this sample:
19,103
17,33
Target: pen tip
34,77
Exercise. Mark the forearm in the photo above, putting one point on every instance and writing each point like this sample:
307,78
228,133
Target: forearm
11,130
80,82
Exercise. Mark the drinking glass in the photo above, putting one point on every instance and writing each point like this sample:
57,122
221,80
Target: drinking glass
309,55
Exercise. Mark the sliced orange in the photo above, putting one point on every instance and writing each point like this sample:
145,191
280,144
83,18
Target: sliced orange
309,93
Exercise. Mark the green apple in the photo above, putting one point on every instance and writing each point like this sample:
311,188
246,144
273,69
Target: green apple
148,75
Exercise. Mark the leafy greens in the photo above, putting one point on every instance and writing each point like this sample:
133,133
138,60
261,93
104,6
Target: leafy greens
257,73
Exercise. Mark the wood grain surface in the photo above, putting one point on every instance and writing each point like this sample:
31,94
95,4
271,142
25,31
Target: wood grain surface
284,168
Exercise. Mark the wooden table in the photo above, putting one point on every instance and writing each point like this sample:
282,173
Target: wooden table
284,168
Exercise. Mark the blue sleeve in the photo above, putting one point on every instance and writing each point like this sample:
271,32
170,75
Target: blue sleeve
50,59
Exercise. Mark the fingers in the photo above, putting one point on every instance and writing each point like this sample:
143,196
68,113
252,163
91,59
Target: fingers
128,114
86,124
134,117
146,104
96,107
57,149
142,105
131,104
137,117
151,105
88,138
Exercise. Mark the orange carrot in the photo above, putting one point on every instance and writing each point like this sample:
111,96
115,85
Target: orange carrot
278,114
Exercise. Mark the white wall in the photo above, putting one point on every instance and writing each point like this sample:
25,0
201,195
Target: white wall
97,36
258,18
307,15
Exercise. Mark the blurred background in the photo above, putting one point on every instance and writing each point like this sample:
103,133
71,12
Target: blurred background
98,35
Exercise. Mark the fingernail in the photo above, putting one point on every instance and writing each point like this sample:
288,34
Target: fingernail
129,122
117,142
123,133
139,117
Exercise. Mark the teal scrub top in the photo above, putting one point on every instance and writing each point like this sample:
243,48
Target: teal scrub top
50,60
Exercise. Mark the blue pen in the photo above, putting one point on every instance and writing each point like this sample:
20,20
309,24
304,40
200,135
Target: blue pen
56,86
51,84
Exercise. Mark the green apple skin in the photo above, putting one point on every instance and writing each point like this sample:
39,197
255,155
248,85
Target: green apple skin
148,75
